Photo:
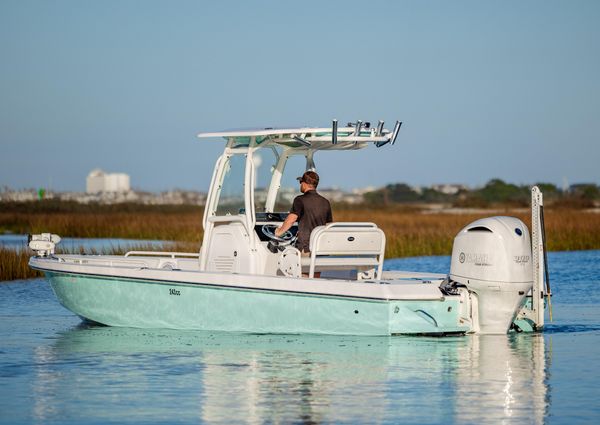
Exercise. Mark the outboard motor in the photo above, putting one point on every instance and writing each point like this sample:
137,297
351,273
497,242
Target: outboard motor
492,258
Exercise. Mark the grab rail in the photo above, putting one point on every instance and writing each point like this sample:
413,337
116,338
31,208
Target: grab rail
343,224
163,254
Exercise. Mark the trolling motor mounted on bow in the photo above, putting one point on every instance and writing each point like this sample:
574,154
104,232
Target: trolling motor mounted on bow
43,244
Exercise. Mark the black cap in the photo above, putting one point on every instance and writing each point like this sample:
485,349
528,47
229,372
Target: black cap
309,177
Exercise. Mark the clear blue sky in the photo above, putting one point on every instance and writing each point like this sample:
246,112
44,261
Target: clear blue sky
485,89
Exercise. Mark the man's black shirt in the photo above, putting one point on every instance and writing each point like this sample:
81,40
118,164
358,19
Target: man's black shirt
312,210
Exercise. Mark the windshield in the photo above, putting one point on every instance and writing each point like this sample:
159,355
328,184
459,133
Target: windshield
265,161
290,187
231,198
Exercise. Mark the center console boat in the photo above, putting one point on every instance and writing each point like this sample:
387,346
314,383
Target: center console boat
245,279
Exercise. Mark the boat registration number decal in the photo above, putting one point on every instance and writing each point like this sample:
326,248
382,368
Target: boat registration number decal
174,291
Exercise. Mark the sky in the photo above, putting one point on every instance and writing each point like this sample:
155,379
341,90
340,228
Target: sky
485,89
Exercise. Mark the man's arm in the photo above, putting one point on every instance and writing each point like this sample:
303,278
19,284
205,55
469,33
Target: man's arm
285,226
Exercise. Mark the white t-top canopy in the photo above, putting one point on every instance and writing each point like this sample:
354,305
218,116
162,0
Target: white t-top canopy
314,137
266,131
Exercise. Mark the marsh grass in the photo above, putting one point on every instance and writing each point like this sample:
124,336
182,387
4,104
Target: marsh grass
14,264
181,226
409,232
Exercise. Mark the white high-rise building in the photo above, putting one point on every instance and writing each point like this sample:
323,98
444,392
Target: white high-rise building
98,182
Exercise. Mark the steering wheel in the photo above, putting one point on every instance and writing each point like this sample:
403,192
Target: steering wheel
269,231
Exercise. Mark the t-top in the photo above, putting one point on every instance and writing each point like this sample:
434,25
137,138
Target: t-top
312,210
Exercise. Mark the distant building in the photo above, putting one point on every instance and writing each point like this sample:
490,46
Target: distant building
100,182
449,189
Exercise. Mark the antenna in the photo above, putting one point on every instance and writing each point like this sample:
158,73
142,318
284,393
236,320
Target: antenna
334,132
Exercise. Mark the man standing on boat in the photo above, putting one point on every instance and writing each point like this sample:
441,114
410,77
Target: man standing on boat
309,209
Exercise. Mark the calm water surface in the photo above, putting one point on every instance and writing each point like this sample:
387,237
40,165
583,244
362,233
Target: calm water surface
54,369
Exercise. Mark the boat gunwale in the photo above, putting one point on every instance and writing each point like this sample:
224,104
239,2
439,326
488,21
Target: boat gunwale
113,276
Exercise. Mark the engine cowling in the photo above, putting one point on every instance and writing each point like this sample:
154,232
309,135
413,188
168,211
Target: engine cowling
492,258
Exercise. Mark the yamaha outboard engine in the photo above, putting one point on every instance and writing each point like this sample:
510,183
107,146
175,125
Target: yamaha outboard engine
492,258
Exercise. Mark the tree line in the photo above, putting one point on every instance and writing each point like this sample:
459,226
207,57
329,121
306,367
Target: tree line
494,192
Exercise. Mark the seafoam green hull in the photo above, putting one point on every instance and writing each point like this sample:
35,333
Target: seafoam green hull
151,304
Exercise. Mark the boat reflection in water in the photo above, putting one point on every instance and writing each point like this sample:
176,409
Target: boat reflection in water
107,374
502,379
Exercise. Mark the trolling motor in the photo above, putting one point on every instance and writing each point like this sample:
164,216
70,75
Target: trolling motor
43,244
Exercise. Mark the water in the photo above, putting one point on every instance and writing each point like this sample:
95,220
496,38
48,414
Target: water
14,241
54,369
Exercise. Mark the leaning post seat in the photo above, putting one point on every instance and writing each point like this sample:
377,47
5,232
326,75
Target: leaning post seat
339,246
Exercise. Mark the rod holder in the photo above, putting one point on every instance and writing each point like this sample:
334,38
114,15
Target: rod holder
395,133
357,128
334,132
379,128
